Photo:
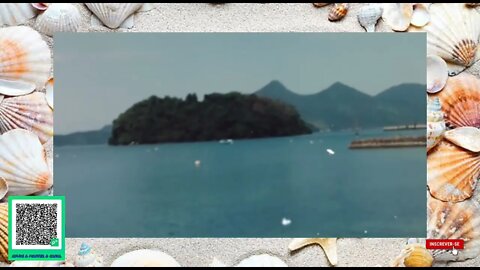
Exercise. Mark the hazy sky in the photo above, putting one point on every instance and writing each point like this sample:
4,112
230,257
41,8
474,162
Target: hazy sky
100,75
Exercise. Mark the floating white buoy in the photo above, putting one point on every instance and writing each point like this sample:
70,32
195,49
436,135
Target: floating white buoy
330,152
312,142
197,163
286,221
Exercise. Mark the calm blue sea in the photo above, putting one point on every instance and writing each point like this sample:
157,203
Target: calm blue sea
244,189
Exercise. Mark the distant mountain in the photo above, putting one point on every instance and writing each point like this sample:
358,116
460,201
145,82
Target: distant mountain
342,107
85,138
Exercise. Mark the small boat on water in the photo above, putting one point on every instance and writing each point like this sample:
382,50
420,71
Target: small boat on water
227,141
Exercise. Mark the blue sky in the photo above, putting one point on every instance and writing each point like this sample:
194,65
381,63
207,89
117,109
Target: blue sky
99,75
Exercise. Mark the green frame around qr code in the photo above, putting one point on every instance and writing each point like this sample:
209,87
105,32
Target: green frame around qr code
59,253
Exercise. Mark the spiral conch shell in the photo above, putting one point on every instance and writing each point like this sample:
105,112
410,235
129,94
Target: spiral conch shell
338,11
369,15
25,61
453,34
145,258
452,172
59,17
3,232
465,137
435,123
86,257
23,163
460,99
115,15
30,112
448,220
15,13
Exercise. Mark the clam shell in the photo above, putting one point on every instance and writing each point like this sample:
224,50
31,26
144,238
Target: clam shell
263,260
418,256
454,221
23,163
30,112
113,14
369,15
329,246
437,73
435,123
460,99
25,61
421,14
15,13
465,137
338,11
452,172
145,258
49,92
3,232
398,15
453,33
59,17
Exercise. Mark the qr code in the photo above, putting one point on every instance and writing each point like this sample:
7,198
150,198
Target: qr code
36,223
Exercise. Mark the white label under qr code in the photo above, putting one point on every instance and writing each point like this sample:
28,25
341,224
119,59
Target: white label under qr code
35,223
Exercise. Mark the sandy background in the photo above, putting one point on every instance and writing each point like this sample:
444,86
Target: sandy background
234,17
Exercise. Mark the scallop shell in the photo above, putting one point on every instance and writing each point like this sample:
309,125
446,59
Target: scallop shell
465,137
15,13
329,246
25,61
113,14
398,15
49,92
338,11
263,260
59,17
453,34
452,172
435,123
3,188
413,255
437,73
454,221
421,14
460,99
41,6
3,232
86,257
369,15
145,258
30,112
23,163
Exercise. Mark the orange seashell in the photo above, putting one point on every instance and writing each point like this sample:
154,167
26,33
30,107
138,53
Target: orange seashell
418,256
3,232
338,11
452,172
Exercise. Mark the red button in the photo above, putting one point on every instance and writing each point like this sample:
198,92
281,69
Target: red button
444,243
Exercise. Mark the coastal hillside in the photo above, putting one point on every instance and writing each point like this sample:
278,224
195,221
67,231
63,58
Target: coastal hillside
85,138
218,116
343,107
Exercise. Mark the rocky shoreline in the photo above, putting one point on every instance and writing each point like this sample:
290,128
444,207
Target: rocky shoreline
419,141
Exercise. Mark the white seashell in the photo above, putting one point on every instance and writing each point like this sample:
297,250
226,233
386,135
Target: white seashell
113,15
398,15
437,74
263,260
435,122
217,263
369,15
59,17
145,258
23,164
25,61
15,13
41,6
86,257
49,92
30,112
465,137
453,34
421,14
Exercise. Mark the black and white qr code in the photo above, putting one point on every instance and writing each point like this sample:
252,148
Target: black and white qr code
36,223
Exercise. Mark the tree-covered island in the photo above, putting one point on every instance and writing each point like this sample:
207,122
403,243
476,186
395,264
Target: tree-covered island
217,117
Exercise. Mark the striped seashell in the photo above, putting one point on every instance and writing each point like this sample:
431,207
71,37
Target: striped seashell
3,232
447,220
369,15
25,61
113,15
15,13
23,163
452,172
30,112
59,17
338,11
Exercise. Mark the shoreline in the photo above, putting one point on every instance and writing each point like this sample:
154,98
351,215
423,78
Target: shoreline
395,142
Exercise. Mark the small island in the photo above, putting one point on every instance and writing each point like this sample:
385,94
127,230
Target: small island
217,117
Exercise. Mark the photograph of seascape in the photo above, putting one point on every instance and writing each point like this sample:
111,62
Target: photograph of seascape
241,134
